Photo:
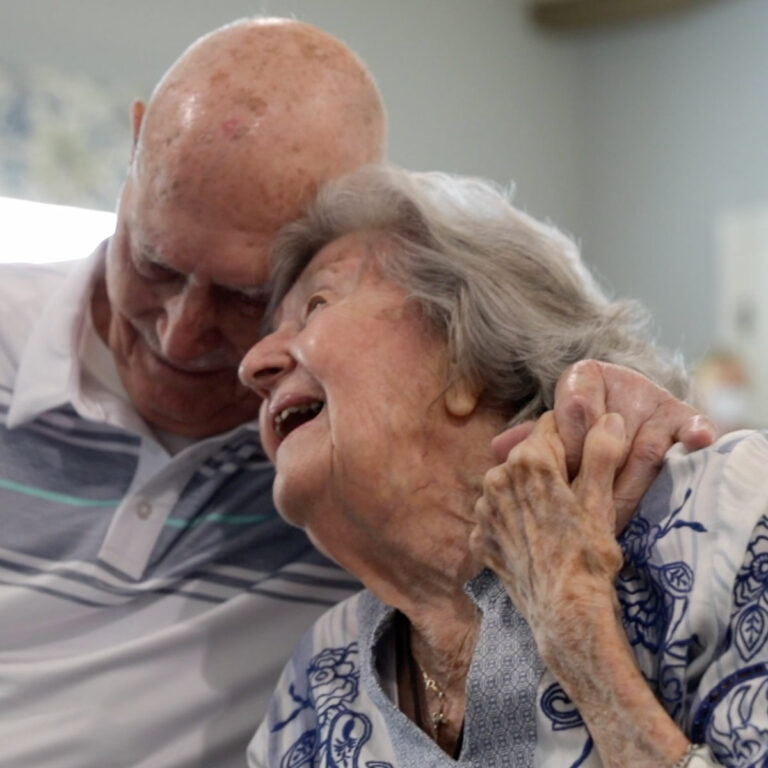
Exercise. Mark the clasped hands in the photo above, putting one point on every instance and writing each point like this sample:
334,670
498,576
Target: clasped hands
569,483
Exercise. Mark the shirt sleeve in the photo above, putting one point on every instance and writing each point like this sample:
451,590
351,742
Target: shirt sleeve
732,716
694,594
730,712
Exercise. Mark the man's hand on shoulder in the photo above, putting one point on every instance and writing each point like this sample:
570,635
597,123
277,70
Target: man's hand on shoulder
653,418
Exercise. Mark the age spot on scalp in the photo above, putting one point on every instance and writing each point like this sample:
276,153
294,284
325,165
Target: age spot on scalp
256,105
233,128
219,78
314,52
170,138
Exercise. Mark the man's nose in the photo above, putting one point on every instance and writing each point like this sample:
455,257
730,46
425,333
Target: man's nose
188,329
266,362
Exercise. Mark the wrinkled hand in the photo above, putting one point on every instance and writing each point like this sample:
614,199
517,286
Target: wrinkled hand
553,543
654,420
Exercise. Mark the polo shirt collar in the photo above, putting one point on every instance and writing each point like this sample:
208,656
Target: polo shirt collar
49,370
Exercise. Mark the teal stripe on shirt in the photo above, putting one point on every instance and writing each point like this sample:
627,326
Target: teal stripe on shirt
215,517
62,498
172,522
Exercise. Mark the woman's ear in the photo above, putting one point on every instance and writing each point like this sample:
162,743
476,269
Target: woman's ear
460,398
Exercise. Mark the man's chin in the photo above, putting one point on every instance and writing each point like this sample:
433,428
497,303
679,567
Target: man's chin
194,404
157,365
191,422
191,411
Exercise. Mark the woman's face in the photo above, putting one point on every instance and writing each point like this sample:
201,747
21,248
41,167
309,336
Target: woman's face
353,384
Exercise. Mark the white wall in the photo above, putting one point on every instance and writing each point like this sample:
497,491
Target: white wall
634,138
470,86
675,128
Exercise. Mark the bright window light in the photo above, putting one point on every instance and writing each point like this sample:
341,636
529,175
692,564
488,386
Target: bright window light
37,233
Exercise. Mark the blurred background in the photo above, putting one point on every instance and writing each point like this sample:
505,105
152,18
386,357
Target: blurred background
639,126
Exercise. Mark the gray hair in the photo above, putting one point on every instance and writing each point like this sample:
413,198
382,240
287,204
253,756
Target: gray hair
509,294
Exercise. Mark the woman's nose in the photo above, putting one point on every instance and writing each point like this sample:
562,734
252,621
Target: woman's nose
265,363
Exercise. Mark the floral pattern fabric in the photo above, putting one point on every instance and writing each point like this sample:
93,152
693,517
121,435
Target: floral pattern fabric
694,601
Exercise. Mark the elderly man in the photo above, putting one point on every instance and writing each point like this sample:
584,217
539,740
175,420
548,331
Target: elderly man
149,595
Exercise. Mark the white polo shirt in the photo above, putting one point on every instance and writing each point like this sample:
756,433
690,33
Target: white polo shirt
148,600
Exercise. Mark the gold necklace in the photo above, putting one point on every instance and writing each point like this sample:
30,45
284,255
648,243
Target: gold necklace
438,718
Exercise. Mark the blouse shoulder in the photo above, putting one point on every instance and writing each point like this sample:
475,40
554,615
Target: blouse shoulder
723,488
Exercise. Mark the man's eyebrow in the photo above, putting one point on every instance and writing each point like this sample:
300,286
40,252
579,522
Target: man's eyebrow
151,254
253,293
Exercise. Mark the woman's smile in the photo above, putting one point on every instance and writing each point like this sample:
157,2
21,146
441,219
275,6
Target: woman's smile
350,378
292,417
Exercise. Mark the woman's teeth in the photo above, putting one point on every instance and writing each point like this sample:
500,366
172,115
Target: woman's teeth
294,416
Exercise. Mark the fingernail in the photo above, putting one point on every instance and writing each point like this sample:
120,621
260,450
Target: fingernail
614,425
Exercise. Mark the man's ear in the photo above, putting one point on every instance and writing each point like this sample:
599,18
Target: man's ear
461,398
137,116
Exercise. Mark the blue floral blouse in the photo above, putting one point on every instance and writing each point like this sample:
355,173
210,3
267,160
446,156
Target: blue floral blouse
694,599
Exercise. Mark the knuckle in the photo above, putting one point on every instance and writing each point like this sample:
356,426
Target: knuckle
484,514
530,458
591,368
650,449
524,453
576,389
496,480
674,412
578,407
481,507
476,540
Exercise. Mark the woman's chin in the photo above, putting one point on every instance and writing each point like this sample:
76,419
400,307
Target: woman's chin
287,501
319,546
298,496
296,507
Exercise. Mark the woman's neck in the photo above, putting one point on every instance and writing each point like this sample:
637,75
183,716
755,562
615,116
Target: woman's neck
416,556
433,664
411,549
442,642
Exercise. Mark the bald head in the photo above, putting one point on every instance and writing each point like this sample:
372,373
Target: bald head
235,140
276,103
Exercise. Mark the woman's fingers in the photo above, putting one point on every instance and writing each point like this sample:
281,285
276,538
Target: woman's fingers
503,443
605,450
654,420
542,451
498,530
518,507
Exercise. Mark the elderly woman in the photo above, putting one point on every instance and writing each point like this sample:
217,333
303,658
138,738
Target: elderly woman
418,315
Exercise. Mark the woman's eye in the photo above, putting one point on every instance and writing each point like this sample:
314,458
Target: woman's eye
315,302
